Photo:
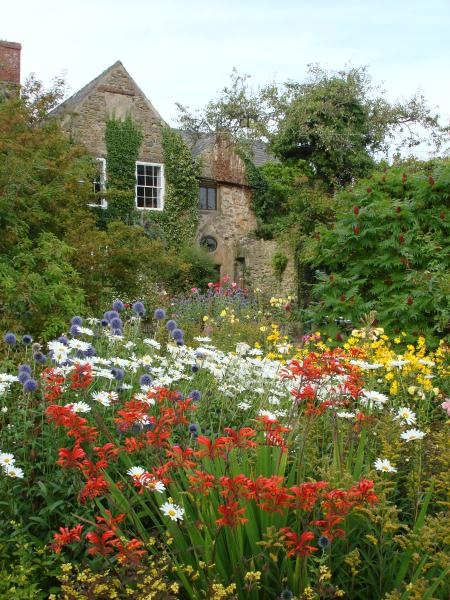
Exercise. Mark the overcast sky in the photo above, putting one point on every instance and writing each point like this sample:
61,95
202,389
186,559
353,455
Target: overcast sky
183,50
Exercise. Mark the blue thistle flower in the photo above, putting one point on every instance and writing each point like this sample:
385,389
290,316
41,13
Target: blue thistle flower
195,395
10,338
145,380
30,385
180,343
116,323
177,334
39,357
113,314
195,368
286,595
116,332
118,373
104,322
91,351
171,325
159,314
24,367
107,315
139,308
118,305
26,339
74,330
323,542
76,321
63,340
23,376
193,429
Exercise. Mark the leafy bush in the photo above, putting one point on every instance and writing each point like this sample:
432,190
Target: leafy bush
388,251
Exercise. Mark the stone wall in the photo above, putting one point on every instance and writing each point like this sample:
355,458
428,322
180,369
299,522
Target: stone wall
115,95
240,255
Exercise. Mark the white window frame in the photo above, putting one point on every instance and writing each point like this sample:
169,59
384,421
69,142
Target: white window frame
161,197
102,172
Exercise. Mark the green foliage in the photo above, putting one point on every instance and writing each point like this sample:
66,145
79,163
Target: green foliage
202,269
40,288
123,140
388,251
179,219
279,264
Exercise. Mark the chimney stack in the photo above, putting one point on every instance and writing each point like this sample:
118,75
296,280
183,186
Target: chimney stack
10,67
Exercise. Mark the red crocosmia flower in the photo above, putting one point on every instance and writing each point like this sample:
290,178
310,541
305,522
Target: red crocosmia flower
271,495
401,239
305,495
93,488
305,393
240,439
356,229
134,410
180,457
328,527
201,483
69,459
133,445
81,377
52,385
409,300
211,449
431,181
109,522
102,544
363,492
298,545
106,453
238,486
65,537
131,552
356,210
231,514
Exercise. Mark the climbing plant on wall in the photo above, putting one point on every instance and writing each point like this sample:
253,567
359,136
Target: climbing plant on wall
123,140
179,219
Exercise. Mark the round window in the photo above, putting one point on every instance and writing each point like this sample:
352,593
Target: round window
209,243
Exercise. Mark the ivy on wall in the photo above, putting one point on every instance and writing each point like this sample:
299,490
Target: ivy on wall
123,140
179,219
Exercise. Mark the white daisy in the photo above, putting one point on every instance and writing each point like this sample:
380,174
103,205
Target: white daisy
406,414
80,407
77,344
377,398
173,511
6,459
243,405
412,434
85,331
102,398
136,472
13,471
382,464
153,343
346,415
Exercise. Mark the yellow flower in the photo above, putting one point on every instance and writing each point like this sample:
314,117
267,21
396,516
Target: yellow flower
205,318
223,313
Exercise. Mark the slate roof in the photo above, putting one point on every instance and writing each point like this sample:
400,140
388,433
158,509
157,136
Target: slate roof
260,153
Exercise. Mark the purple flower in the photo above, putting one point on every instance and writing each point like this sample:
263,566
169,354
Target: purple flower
145,380
63,340
118,374
171,325
193,429
27,339
195,395
74,330
24,376
139,308
26,368
91,351
76,321
116,332
159,314
10,338
177,334
40,358
195,368
30,385
104,322
118,305
113,314
116,323
180,343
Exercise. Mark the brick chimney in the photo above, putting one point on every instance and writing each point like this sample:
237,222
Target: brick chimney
10,66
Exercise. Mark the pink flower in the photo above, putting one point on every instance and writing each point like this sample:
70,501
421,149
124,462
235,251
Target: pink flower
210,284
194,290
446,405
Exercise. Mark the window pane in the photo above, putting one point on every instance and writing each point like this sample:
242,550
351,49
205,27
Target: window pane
203,196
211,198
140,169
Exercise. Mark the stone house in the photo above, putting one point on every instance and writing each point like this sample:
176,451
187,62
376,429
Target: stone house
226,219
